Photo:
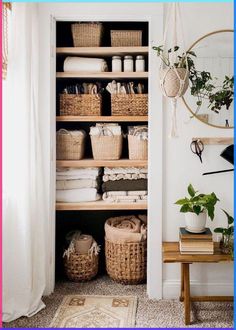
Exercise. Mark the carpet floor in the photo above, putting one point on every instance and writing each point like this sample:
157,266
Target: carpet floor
150,313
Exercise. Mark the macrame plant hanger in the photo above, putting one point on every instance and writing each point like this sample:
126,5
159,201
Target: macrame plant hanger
174,80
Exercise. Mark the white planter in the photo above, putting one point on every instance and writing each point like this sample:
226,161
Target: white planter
195,223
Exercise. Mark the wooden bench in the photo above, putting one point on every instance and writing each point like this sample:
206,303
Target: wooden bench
171,254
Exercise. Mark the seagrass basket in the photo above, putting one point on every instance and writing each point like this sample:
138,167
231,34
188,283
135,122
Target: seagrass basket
126,263
87,34
106,147
80,105
170,81
129,105
124,38
70,145
138,148
81,267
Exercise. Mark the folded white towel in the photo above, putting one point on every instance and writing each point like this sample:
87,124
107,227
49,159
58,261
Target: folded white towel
76,184
78,173
125,170
84,64
77,195
125,196
122,176
107,130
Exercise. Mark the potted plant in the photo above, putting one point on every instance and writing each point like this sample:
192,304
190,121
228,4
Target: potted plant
227,239
196,209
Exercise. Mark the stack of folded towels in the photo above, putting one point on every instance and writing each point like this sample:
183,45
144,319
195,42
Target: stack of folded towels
126,229
74,185
125,184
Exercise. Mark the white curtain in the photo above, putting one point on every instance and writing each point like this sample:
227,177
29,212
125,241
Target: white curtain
24,213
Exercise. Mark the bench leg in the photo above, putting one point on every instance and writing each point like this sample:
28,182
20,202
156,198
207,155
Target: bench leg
186,293
181,298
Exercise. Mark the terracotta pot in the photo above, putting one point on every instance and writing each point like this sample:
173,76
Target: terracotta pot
170,86
195,223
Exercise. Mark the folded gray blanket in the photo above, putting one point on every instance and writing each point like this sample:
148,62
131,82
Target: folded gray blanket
125,185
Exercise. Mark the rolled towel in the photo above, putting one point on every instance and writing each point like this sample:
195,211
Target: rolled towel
83,243
84,64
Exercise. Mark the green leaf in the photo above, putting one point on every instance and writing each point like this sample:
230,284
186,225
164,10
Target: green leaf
210,210
191,191
218,230
197,209
229,217
182,201
185,208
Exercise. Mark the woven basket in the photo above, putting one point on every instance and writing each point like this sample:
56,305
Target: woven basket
87,34
129,105
124,38
171,84
81,267
106,147
138,148
70,146
80,105
126,262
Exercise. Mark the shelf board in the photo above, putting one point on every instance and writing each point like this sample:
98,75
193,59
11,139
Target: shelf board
102,118
101,163
102,51
215,140
100,205
103,75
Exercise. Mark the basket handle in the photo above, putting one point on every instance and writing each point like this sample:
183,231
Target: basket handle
63,131
139,129
102,129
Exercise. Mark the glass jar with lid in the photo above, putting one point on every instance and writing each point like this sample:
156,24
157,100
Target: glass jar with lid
128,63
116,64
140,63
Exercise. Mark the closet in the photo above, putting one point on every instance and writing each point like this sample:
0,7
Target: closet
89,217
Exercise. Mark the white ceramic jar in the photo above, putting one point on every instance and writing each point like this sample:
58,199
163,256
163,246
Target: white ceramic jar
116,64
140,63
128,63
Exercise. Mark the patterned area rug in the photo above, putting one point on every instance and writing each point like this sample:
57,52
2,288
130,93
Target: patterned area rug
78,311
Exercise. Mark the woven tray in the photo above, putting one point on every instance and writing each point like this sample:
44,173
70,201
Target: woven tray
129,105
87,34
126,263
69,146
123,38
106,147
81,267
80,105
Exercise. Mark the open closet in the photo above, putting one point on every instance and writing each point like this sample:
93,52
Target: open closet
90,216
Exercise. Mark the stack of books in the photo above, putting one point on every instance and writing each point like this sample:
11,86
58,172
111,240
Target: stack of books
190,243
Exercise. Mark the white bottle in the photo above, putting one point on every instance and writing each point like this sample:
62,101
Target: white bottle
128,63
116,64
140,63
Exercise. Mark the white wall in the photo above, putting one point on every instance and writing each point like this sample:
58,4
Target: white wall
179,166
182,167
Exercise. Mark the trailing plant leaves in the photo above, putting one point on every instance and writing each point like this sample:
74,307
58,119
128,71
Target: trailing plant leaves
197,209
185,208
191,190
182,201
219,230
229,217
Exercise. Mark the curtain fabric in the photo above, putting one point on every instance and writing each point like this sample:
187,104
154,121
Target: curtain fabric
24,211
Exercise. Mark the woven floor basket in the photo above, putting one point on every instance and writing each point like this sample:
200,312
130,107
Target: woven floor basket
129,105
107,147
80,105
120,38
126,262
171,84
70,146
87,34
81,267
138,149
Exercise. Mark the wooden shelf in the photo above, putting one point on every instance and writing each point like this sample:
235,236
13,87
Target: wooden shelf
100,205
102,118
103,75
102,51
215,140
101,163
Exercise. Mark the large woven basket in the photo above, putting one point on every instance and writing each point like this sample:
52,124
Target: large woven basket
138,148
124,38
87,34
106,147
81,267
126,262
70,146
170,82
80,105
129,105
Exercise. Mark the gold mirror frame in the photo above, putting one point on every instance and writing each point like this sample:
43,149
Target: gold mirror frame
190,48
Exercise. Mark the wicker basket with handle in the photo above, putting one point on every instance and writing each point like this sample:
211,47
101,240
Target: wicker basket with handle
124,38
138,148
80,105
129,104
81,267
126,262
106,147
70,145
87,34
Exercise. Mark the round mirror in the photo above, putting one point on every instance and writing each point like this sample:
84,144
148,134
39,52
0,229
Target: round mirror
210,96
